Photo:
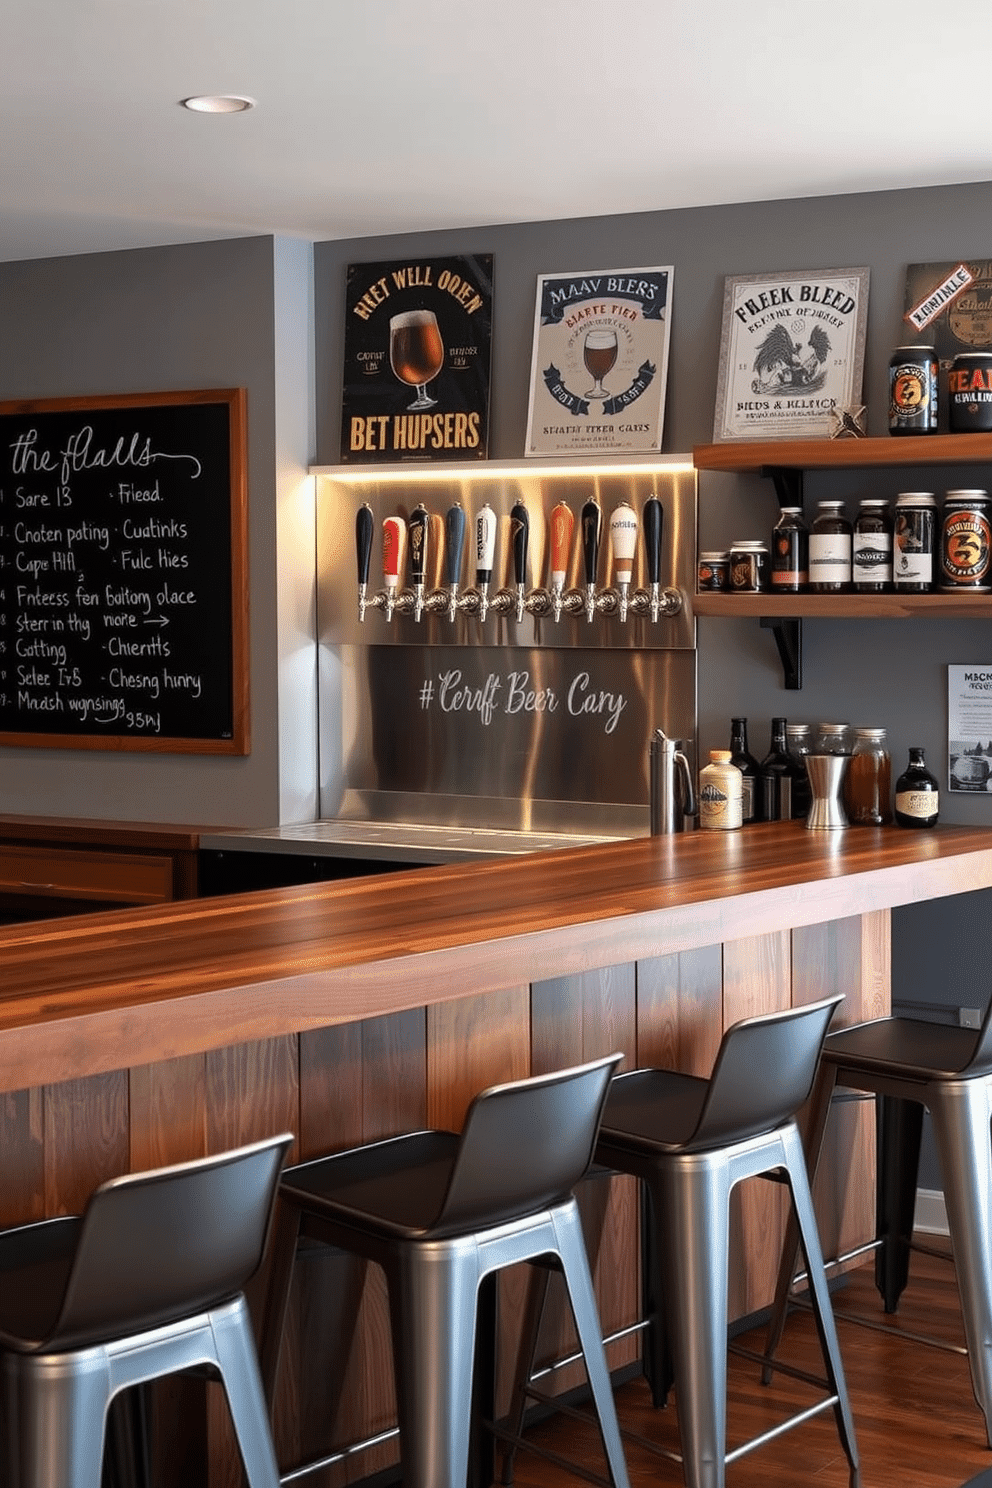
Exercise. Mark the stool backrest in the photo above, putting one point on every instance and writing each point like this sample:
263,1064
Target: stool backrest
764,1071
157,1246
525,1145
982,1056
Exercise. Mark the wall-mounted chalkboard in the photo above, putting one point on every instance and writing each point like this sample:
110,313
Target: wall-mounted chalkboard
123,573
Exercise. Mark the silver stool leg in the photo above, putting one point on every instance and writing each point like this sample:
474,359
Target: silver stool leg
433,1313
693,1194
572,1250
61,1408
961,1113
822,1310
238,1365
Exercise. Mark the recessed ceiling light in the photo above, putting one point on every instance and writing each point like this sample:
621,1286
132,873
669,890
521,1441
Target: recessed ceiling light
218,103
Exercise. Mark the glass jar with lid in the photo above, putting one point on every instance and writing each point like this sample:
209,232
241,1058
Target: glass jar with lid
868,783
830,539
832,738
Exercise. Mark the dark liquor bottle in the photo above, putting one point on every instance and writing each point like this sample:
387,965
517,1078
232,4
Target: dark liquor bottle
777,777
917,793
749,768
830,550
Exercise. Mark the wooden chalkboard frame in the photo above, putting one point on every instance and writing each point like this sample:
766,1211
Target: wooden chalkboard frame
239,741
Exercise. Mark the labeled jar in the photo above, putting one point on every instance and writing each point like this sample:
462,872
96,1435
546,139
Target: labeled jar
713,573
913,390
868,782
830,540
913,542
790,552
966,542
871,549
748,566
969,393
721,789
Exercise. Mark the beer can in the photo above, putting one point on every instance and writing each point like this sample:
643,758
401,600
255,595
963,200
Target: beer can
913,390
969,393
913,543
748,567
713,574
966,542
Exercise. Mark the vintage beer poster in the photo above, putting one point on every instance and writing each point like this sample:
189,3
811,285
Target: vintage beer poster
600,362
417,345
792,353
969,729
948,306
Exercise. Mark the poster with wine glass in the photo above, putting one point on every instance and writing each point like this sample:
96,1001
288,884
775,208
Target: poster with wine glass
417,349
600,362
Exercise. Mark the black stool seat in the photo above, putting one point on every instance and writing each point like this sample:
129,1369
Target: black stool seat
149,1281
441,1213
913,1065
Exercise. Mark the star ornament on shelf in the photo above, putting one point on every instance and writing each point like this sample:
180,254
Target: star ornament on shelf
849,422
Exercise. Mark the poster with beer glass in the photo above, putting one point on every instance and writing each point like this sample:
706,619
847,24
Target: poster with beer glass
600,362
417,345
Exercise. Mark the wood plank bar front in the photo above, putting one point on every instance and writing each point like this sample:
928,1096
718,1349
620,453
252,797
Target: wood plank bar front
350,1011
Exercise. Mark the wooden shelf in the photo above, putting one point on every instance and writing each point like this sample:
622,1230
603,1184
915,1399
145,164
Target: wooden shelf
846,606
753,456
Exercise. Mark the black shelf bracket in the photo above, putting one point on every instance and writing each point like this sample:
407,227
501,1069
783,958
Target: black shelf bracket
789,640
788,483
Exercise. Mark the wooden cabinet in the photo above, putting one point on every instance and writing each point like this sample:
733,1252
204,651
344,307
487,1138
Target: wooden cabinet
53,866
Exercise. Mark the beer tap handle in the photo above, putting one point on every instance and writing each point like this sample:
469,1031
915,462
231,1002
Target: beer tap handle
364,531
562,523
485,553
519,540
393,557
623,541
592,526
654,521
454,546
419,529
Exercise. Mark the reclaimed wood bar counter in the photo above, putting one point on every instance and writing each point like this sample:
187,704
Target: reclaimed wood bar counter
352,1010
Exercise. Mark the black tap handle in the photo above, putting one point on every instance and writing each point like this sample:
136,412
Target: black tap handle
454,543
592,525
418,528
519,538
364,528
654,521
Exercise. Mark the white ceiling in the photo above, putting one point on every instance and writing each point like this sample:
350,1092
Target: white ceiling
380,116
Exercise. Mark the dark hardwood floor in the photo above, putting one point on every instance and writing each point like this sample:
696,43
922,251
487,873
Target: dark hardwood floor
915,1415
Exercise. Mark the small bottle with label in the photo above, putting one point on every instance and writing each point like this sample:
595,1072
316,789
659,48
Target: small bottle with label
871,555
720,793
745,761
790,552
830,540
917,793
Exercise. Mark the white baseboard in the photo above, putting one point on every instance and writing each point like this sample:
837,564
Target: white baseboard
931,1216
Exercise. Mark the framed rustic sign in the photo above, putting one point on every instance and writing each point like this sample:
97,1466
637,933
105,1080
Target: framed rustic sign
791,354
417,347
599,365
124,573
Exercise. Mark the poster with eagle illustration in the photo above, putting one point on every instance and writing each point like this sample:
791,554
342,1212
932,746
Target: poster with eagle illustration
792,354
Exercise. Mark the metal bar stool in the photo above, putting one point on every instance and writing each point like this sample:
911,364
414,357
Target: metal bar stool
149,1281
691,1141
441,1213
912,1064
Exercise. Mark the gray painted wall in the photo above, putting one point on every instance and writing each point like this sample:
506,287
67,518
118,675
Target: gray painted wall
220,314
888,673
